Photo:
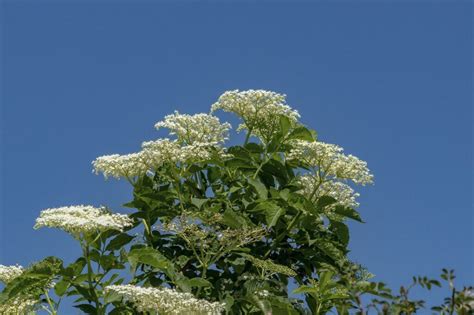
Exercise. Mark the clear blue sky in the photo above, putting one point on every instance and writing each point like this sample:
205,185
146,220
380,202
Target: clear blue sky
390,82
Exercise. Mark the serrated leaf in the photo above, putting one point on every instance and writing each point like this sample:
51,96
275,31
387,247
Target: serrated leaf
325,201
259,187
272,213
86,308
61,287
348,213
305,289
285,124
301,133
196,282
341,230
198,202
254,147
119,241
329,249
233,219
148,256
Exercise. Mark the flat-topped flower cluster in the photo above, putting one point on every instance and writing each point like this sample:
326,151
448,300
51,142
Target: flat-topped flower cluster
199,139
19,306
164,301
259,110
314,188
81,219
328,161
198,128
8,273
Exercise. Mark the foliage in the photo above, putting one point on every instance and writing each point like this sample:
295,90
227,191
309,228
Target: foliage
216,229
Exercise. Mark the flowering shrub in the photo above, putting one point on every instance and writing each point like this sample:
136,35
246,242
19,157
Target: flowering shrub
256,228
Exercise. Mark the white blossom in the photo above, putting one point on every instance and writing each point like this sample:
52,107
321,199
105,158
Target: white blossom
164,301
262,293
163,151
198,128
469,295
82,219
314,189
260,110
18,306
115,165
154,154
8,273
330,161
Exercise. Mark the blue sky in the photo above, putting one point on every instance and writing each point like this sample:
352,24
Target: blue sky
390,82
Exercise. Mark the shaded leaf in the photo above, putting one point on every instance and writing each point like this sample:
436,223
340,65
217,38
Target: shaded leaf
348,213
301,133
259,187
119,241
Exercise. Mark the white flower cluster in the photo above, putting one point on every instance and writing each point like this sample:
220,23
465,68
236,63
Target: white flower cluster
163,151
154,155
343,193
262,293
82,219
8,273
199,139
260,110
115,165
469,295
164,301
198,128
18,306
330,160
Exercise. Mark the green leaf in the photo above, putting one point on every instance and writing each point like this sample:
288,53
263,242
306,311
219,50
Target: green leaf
213,174
196,282
261,304
285,124
270,210
325,201
61,287
84,292
233,219
272,213
34,279
75,268
239,163
254,147
282,305
259,187
119,241
228,301
329,249
198,202
305,289
348,213
148,256
301,133
112,297
277,169
86,308
341,230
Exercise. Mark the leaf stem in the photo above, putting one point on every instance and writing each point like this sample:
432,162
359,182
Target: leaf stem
50,303
89,278
247,137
